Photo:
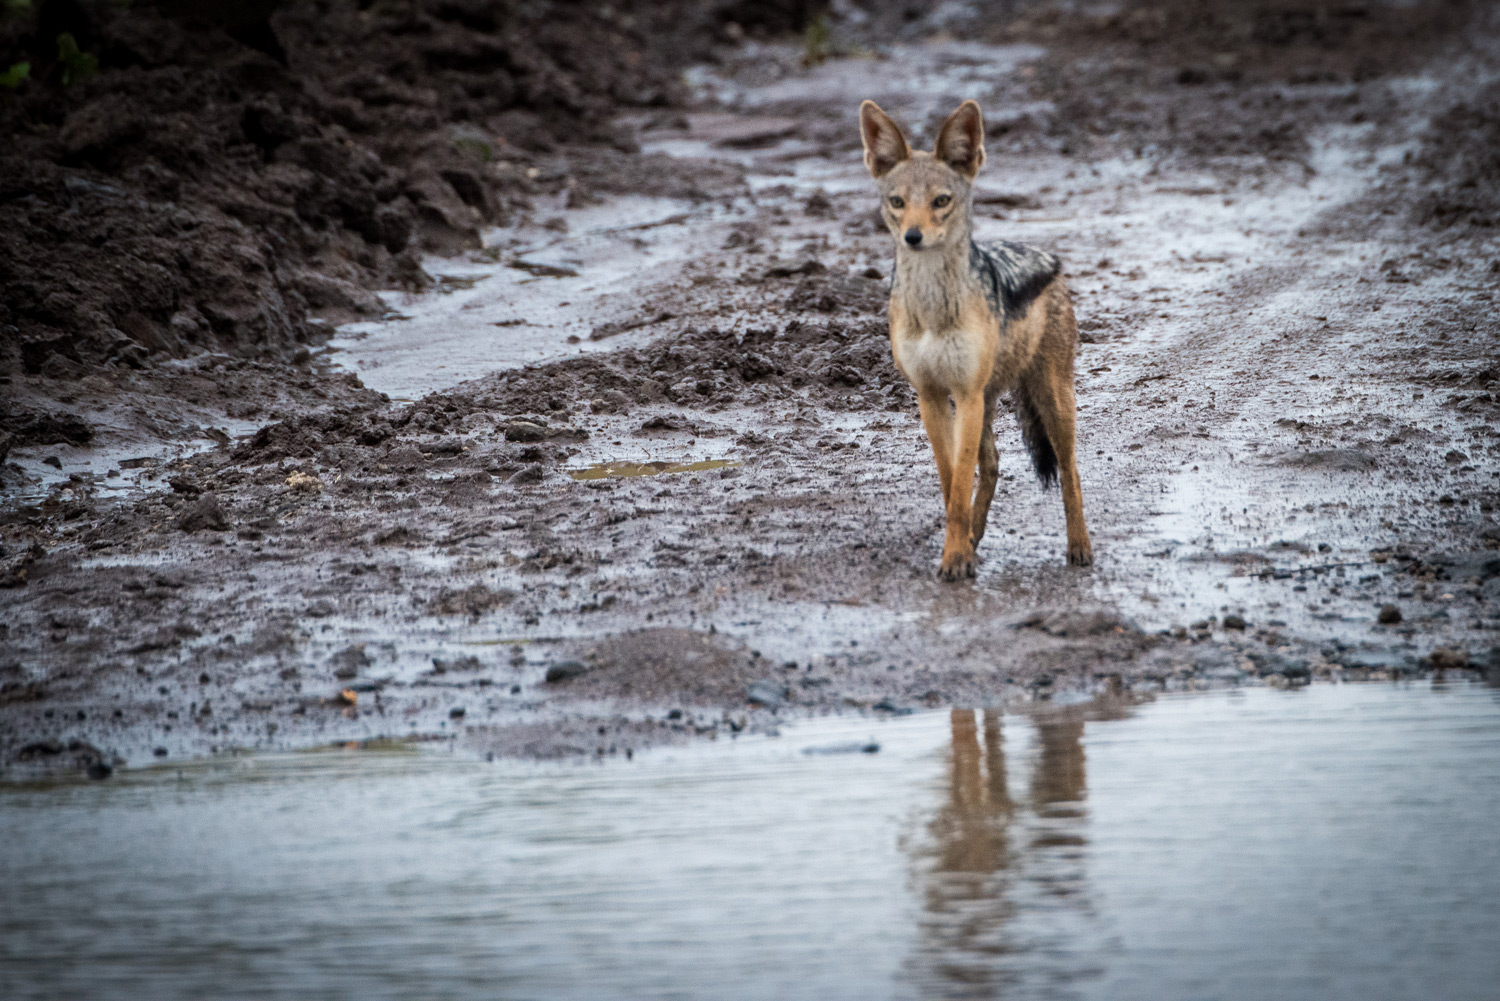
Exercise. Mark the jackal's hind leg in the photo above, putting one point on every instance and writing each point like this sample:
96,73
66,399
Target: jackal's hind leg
1052,390
989,470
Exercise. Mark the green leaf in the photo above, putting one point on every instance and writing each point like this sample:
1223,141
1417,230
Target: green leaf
11,78
77,66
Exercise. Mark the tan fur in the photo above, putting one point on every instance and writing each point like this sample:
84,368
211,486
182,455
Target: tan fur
950,344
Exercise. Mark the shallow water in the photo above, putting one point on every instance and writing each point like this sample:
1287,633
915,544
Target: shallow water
541,288
1331,842
600,470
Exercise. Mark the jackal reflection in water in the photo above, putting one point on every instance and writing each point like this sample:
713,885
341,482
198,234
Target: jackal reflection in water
1003,881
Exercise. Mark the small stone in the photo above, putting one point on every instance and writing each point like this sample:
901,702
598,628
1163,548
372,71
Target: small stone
348,661
457,712
160,752
1296,670
771,694
524,431
203,513
664,422
534,473
847,747
441,666
1389,615
1448,659
566,671
790,268
1234,622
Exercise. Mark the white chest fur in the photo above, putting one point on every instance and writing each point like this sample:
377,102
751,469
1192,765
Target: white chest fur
946,361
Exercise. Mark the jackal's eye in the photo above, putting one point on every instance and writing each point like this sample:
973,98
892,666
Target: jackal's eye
941,201
897,202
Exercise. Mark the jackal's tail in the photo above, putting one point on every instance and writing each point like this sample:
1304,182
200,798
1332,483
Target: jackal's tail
1034,433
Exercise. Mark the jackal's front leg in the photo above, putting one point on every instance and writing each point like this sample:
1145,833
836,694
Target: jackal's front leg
937,418
958,542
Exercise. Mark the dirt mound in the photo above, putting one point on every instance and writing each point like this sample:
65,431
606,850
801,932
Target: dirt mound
39,428
180,179
846,365
841,359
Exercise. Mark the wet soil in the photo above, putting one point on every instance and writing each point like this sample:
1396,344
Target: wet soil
235,179
1280,232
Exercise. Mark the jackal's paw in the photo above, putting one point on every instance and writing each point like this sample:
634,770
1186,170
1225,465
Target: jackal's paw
1080,553
957,565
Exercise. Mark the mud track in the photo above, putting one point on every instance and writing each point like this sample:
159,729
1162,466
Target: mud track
646,471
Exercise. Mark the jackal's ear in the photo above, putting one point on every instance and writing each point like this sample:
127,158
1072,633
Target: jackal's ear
885,146
961,142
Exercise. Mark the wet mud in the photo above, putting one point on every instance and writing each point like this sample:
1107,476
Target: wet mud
1280,234
237,178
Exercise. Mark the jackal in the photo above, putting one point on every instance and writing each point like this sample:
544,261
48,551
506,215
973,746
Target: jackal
970,320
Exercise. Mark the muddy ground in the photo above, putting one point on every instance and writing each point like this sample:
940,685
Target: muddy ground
636,466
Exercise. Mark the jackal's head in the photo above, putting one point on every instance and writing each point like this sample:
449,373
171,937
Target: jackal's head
924,197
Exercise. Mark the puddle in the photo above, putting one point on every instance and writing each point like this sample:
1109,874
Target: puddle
539,270
533,295
1331,842
110,467
600,470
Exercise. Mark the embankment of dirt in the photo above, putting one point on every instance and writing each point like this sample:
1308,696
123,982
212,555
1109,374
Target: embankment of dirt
180,178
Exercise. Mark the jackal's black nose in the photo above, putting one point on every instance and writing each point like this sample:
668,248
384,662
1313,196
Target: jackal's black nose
913,236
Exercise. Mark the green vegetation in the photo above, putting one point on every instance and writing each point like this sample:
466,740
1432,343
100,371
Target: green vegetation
817,42
12,77
819,45
472,141
77,66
